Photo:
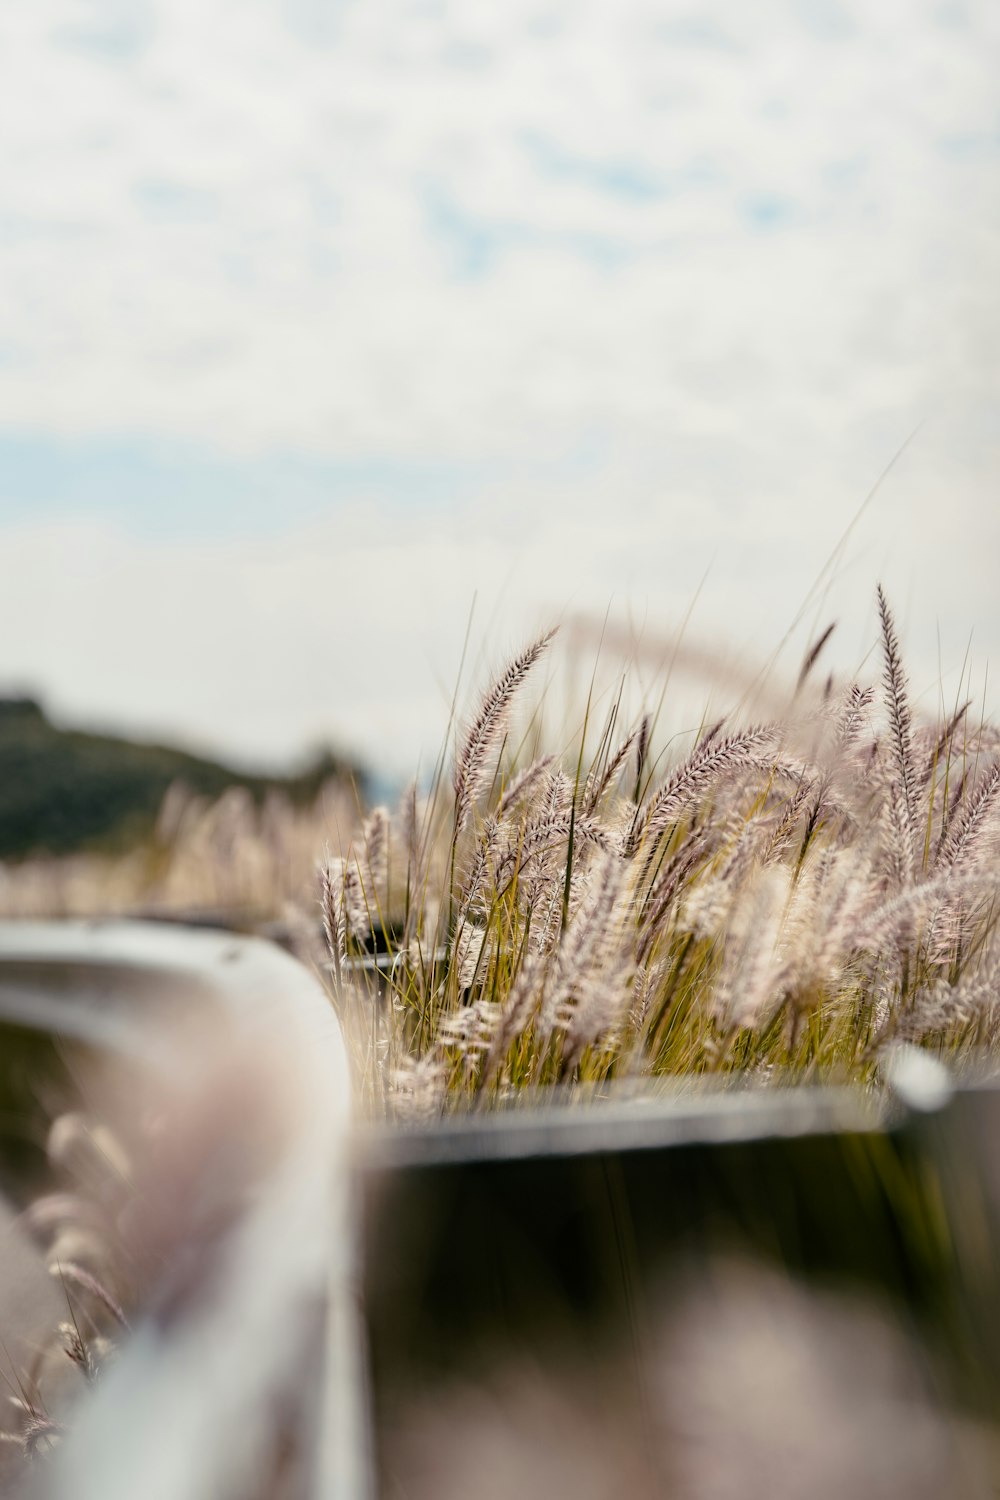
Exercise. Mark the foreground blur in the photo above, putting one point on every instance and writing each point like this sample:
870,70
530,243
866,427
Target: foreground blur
687,1293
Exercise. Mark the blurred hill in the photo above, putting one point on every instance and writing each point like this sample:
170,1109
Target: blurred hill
65,790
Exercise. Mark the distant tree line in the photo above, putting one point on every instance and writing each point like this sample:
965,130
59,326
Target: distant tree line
66,790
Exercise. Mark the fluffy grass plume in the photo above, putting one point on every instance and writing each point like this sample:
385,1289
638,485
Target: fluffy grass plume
786,898
472,763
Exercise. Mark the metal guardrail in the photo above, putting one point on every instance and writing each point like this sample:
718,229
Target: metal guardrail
539,1262
378,1267
164,1421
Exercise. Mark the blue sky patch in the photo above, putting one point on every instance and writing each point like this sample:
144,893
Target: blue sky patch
618,177
173,489
114,31
474,243
169,201
973,145
766,211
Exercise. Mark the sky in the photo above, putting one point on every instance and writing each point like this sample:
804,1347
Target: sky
326,326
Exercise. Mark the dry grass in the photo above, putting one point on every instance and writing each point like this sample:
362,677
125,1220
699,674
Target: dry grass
789,897
231,857
783,899
786,897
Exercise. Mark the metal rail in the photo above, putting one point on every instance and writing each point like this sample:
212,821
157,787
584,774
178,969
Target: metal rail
152,1428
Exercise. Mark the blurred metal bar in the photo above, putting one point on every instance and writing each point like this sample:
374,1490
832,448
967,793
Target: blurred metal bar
164,1421
544,1240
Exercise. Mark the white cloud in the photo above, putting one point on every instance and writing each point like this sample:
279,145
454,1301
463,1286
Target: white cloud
341,630
735,254
406,239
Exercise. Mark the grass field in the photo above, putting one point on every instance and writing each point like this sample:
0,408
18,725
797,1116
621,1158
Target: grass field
787,897
778,900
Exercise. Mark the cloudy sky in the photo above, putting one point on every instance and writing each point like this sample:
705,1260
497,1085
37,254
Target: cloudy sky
320,321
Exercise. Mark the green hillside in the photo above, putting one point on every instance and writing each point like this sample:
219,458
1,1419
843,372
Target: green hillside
64,790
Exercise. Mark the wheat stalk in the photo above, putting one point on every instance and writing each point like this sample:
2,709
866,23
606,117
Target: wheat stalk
967,836
900,727
712,758
471,775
